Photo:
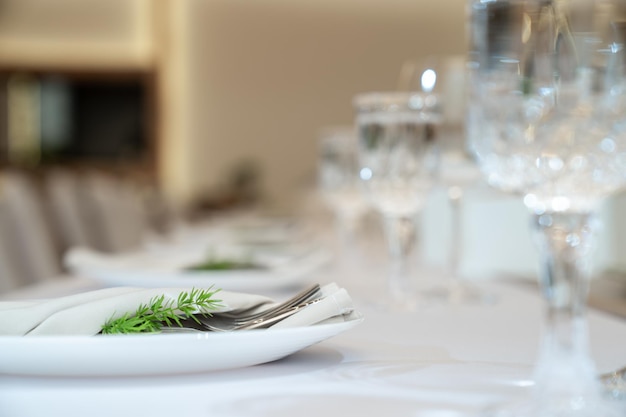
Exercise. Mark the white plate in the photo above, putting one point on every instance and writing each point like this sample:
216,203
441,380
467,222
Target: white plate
164,354
155,270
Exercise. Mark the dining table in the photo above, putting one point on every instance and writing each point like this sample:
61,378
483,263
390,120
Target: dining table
441,359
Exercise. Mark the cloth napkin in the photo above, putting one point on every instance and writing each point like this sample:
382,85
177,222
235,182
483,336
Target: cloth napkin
85,313
81,259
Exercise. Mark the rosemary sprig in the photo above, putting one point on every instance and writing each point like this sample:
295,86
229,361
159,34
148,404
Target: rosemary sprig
216,263
223,265
151,317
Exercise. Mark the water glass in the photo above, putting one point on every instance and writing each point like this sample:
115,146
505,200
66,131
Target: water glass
398,163
338,182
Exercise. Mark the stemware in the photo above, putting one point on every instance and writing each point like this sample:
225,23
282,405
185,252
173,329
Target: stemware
398,161
457,170
548,122
458,174
339,184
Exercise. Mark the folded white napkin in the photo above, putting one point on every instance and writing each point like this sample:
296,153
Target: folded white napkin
81,259
85,313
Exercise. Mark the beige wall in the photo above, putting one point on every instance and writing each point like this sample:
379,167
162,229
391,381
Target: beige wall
241,79
82,33
266,75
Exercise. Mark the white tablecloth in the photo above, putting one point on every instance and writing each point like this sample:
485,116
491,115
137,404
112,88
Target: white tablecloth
455,359
442,360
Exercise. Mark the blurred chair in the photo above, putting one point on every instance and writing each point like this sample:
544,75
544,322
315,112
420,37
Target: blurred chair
10,278
65,199
42,214
114,206
31,239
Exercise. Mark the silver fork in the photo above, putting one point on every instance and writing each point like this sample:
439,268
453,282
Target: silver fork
220,324
305,295
236,321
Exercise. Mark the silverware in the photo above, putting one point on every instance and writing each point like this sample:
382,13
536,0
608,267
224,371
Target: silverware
229,321
218,324
305,295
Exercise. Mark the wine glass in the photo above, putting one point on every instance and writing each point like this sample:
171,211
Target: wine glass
398,161
548,112
457,170
338,182
458,173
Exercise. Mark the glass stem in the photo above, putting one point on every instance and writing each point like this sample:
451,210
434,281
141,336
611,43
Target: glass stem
455,198
565,241
400,232
346,226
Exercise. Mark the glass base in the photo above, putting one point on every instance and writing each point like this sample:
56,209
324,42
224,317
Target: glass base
614,385
391,302
459,293
394,304
579,406
566,385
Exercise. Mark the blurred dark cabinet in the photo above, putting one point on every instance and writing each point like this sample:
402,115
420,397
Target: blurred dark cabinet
78,80
77,118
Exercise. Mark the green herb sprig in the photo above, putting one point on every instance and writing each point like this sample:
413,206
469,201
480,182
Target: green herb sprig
217,263
151,317
223,265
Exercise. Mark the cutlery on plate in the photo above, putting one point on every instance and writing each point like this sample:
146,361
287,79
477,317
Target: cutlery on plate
225,324
307,294
222,324
238,321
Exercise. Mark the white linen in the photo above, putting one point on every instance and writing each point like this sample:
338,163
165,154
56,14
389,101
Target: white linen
441,361
85,313
165,266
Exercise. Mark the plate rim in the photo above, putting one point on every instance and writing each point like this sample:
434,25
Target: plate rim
276,277
274,344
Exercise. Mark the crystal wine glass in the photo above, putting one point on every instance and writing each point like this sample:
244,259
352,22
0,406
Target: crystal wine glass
457,170
458,173
339,184
548,121
398,162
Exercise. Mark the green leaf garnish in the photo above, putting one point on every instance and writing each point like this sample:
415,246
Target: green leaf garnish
160,313
214,263
223,265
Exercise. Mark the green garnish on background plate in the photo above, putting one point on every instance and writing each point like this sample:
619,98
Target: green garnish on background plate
223,263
